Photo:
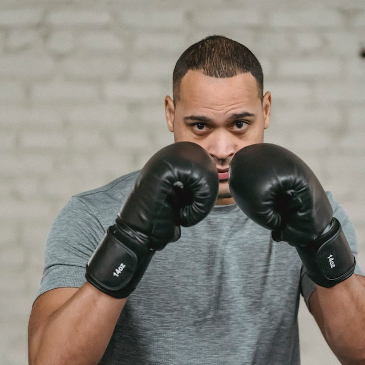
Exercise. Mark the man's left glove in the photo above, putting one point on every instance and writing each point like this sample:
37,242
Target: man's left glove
177,187
277,190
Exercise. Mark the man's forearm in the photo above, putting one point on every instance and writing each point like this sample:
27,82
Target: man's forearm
78,332
343,319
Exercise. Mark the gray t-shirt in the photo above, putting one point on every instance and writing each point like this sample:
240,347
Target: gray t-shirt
224,293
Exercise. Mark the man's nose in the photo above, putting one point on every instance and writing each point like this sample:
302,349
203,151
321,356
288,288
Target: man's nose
221,146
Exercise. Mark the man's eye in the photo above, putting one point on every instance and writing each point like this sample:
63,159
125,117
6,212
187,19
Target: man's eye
240,124
200,126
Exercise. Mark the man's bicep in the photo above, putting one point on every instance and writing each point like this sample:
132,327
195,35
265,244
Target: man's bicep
45,306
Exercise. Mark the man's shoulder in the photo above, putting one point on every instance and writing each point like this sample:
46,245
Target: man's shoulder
106,200
115,189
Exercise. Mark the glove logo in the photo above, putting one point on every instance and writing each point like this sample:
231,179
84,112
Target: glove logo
331,261
119,270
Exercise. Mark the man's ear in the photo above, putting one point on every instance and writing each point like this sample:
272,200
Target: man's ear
266,104
169,113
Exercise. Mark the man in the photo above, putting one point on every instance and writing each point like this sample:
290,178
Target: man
224,292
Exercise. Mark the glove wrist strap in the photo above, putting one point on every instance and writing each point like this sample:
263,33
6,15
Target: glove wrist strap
115,268
329,260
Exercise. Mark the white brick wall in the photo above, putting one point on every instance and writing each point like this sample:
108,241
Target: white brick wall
82,87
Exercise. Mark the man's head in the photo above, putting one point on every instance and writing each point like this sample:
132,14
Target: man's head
220,57
218,102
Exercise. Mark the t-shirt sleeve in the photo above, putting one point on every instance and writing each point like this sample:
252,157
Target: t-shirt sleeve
307,285
72,239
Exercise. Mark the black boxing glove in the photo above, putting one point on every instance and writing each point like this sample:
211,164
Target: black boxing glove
177,187
277,190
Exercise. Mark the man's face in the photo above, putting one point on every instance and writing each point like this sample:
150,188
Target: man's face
222,115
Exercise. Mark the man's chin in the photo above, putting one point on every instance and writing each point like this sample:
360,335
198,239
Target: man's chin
224,195
224,192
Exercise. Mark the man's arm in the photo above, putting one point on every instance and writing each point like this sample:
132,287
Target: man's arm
177,187
340,314
277,190
72,326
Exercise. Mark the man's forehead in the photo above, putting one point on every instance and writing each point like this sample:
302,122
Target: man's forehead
196,82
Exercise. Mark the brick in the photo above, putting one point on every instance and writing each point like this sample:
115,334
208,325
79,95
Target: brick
102,116
161,137
132,92
32,211
12,92
343,43
23,17
112,165
355,67
78,164
12,117
101,41
5,188
355,118
335,92
33,237
156,20
152,69
26,188
306,141
359,20
275,41
157,42
9,281
228,17
308,41
246,36
94,67
7,141
78,17
85,140
356,5
61,42
150,114
310,67
65,92
26,66
39,140
356,211
130,140
315,17
320,117
353,141
347,167
19,165
23,39
9,234
268,68
18,355
14,311
12,257
289,92
56,187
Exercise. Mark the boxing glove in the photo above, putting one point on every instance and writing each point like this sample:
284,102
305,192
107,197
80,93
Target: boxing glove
177,187
277,190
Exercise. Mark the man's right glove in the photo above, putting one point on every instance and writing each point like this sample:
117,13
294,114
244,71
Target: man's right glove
177,187
277,190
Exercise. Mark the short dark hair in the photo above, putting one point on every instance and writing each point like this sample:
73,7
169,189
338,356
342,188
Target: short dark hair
217,56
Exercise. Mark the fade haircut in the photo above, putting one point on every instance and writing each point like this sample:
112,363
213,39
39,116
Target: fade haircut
217,56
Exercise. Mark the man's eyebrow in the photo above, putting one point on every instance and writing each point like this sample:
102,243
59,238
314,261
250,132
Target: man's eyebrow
197,118
241,115
204,119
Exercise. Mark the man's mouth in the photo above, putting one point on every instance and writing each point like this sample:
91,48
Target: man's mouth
223,174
